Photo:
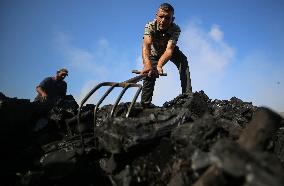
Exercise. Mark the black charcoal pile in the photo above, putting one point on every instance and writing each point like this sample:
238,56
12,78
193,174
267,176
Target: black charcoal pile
191,140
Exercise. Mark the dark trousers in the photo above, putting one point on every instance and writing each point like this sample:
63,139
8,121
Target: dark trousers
180,60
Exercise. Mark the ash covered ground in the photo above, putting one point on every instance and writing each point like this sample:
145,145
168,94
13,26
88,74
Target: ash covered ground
191,140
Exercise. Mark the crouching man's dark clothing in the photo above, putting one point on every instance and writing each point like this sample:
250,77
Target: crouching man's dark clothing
54,89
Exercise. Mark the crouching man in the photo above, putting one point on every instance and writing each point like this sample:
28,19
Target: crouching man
52,88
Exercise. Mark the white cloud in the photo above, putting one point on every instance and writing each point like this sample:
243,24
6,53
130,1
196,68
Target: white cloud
206,55
80,59
216,34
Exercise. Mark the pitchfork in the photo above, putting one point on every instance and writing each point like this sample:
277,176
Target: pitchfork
125,85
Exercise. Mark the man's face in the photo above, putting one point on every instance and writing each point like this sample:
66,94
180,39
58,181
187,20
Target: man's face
61,75
164,19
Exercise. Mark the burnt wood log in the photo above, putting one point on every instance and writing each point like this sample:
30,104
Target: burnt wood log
237,159
260,129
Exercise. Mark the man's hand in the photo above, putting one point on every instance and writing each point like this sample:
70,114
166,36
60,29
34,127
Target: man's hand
44,96
42,93
160,70
148,69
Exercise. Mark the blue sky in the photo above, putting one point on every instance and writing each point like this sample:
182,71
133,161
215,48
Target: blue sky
234,47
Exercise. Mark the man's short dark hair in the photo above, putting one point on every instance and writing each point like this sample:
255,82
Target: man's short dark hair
167,7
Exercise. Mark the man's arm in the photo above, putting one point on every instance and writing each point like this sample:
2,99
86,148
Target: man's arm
166,56
41,88
146,52
41,92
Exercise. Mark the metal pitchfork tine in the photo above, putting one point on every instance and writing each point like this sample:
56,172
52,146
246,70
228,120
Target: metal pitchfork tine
126,84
